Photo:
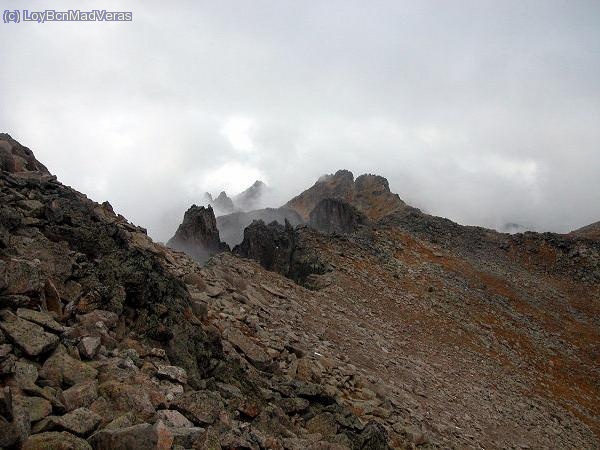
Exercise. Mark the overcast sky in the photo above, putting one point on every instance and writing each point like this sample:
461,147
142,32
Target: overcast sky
482,112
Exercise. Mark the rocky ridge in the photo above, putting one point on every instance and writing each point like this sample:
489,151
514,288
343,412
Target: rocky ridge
109,340
419,333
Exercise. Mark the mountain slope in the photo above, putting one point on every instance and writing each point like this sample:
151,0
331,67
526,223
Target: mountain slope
418,332
107,340
465,336
591,231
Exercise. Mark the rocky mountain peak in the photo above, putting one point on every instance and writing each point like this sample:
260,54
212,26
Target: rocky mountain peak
222,204
252,197
198,235
258,184
369,181
249,199
370,194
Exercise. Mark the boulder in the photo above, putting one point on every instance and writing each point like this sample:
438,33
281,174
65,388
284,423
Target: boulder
172,373
255,354
186,437
54,396
201,407
55,441
81,421
22,277
52,298
16,158
41,318
31,338
174,419
5,349
324,424
21,423
9,434
81,394
372,437
25,374
88,347
14,301
137,437
37,408
128,397
62,369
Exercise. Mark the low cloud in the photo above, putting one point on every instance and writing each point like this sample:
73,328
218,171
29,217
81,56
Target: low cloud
483,112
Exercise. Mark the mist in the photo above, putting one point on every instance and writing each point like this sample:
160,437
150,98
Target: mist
483,112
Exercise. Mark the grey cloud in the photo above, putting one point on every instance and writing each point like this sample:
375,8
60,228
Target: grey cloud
484,112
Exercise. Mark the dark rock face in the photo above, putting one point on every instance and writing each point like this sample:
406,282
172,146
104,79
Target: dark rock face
278,248
336,216
198,235
231,226
272,245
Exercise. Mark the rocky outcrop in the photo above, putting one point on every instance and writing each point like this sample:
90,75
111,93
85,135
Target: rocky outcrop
336,216
370,194
231,226
279,248
198,235
16,158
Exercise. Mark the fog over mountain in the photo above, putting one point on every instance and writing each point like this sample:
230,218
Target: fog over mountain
484,112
